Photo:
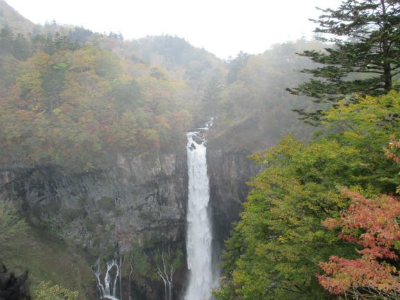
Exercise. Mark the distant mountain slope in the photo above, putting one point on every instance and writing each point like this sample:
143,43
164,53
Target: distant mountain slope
10,17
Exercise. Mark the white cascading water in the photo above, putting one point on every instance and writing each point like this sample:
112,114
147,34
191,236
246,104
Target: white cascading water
109,289
199,234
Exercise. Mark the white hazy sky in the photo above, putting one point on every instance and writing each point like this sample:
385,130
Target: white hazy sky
223,27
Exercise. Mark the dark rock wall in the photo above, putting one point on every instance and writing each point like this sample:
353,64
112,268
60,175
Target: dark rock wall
139,204
228,172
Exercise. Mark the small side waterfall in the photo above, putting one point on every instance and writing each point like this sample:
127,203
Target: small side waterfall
199,234
108,290
166,272
162,259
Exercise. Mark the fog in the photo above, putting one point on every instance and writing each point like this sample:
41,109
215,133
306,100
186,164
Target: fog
221,27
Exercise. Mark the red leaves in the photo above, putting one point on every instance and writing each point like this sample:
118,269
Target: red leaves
393,150
332,223
371,224
343,275
377,219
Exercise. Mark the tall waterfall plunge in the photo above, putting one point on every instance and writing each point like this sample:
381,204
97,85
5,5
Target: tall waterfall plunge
199,234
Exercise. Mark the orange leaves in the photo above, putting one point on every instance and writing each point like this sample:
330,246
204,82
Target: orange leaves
371,224
181,116
393,151
377,219
332,223
344,275
39,61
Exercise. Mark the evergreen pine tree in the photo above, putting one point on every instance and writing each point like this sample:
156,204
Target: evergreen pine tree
365,56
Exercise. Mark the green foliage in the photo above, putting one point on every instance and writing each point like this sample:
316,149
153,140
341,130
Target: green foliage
106,204
12,224
275,249
141,264
235,66
44,256
147,216
177,261
17,46
154,261
47,291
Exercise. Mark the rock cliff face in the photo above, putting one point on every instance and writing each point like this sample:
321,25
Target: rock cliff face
139,204
228,171
133,214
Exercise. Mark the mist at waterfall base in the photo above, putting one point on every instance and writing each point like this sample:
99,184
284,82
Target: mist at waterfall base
199,231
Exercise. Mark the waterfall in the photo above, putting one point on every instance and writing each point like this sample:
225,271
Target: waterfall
109,289
199,234
130,276
167,274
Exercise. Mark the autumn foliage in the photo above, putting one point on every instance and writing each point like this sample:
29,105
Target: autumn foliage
80,107
373,225
393,150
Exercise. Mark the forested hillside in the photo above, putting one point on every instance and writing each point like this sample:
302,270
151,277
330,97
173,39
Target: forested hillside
252,108
53,108
78,103
55,85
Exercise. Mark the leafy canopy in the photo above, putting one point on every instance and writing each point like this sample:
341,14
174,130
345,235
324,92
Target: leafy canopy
47,291
79,108
276,248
